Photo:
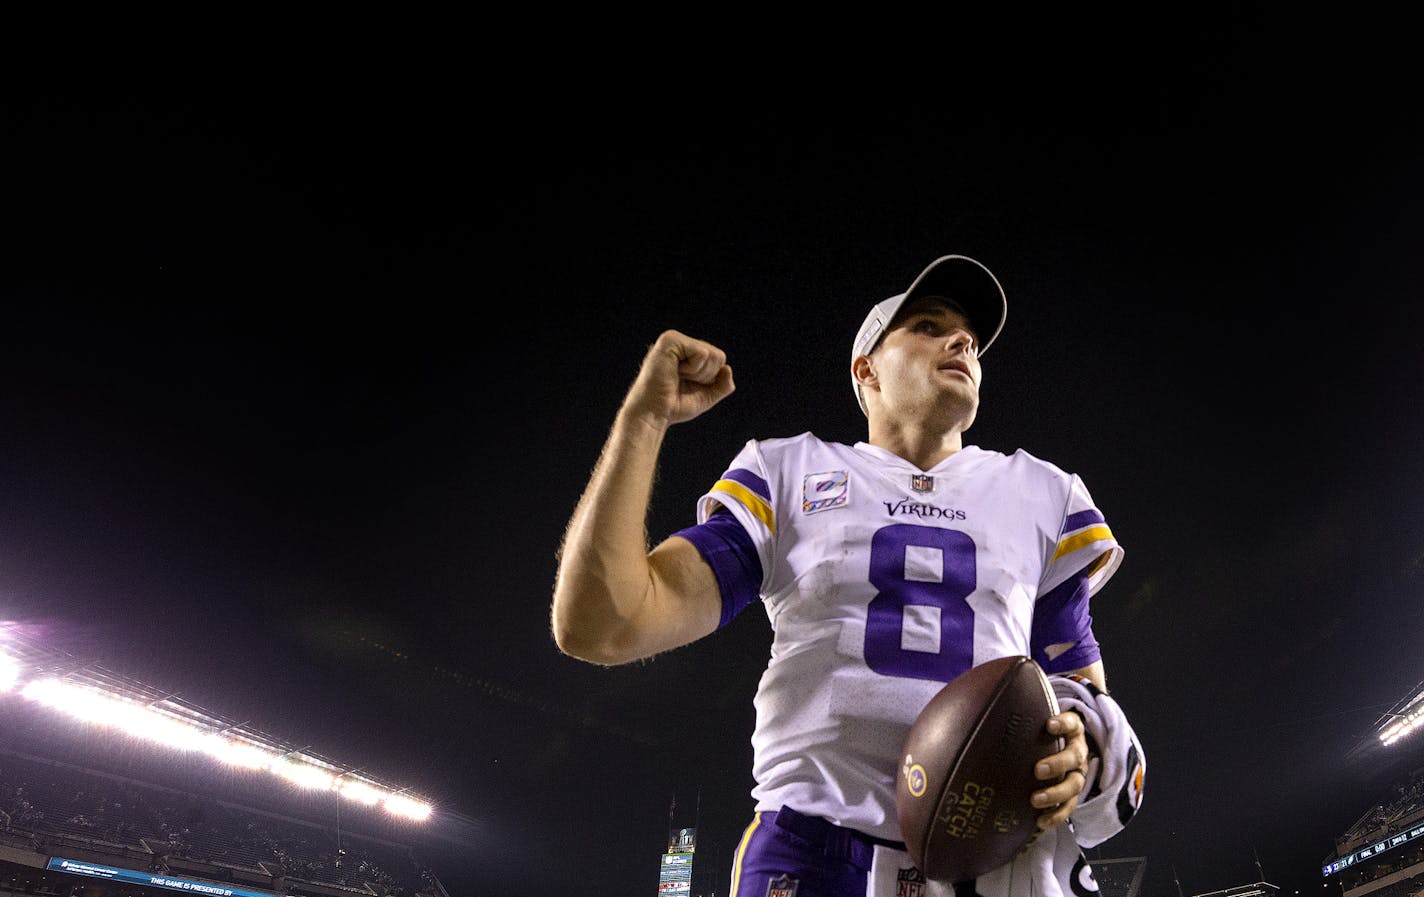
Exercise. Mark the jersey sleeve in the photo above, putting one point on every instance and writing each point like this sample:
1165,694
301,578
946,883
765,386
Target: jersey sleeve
1085,556
728,550
1085,543
745,490
1062,638
736,523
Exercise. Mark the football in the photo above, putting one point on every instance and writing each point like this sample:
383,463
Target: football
966,776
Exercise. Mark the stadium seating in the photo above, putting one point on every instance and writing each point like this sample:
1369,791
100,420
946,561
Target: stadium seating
55,807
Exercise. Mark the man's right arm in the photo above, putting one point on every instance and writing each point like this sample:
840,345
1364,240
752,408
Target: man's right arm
614,600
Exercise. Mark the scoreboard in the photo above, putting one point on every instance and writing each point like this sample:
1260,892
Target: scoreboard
1373,850
675,876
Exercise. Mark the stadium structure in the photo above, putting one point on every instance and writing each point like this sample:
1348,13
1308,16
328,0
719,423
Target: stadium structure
1382,853
1255,889
109,788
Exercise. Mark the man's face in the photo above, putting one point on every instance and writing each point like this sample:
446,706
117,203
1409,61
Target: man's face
929,359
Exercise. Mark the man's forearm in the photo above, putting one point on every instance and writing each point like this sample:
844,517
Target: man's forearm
603,574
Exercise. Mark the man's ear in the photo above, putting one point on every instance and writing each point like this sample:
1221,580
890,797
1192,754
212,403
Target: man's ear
863,371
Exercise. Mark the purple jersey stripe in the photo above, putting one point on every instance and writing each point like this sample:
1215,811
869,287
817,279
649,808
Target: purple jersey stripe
1082,519
750,480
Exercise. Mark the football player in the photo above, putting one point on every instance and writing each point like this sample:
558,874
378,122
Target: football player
886,568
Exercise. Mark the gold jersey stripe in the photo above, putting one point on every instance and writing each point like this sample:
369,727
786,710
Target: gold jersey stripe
753,502
741,851
1086,537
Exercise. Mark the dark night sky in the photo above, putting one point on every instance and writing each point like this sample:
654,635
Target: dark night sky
302,377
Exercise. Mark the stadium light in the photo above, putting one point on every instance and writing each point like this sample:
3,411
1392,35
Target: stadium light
361,793
105,709
1401,727
97,697
303,774
239,753
404,806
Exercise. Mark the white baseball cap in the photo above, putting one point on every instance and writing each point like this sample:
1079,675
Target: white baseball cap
958,277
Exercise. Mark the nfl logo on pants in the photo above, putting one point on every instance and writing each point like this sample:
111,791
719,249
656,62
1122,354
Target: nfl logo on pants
782,886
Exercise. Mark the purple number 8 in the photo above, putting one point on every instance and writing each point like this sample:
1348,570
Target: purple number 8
936,586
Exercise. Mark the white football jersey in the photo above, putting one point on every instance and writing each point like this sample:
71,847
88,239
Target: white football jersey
882,582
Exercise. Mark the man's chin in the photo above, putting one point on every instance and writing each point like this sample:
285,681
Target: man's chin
968,415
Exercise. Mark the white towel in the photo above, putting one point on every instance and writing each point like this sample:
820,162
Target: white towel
1115,772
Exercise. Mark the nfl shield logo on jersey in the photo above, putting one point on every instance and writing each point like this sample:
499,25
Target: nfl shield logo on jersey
782,886
910,883
922,482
